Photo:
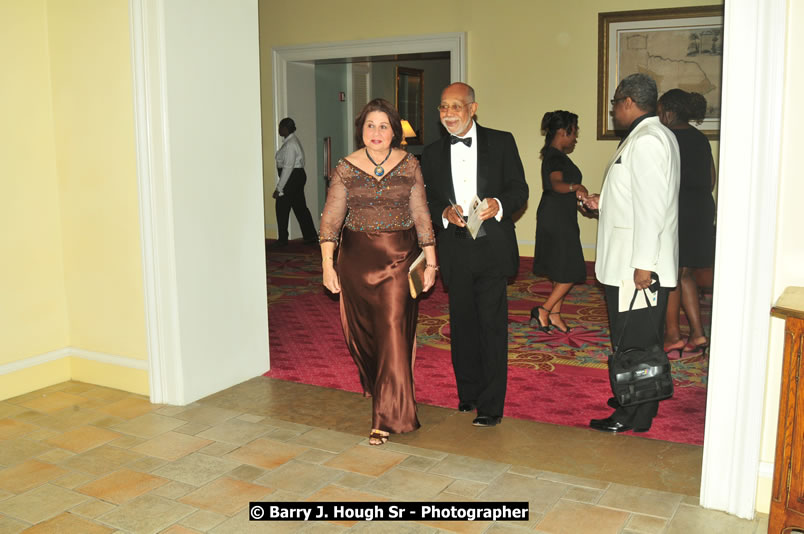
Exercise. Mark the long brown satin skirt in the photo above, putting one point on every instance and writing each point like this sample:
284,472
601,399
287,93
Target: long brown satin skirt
379,321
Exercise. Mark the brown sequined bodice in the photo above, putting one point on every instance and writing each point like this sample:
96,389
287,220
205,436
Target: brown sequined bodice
395,202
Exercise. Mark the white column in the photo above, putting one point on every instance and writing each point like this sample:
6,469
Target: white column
753,77
197,103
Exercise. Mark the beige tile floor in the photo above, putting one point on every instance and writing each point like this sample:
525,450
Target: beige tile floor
78,458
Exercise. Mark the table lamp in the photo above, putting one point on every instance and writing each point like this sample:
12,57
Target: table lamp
407,131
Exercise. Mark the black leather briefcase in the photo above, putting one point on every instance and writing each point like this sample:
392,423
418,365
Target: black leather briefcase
640,375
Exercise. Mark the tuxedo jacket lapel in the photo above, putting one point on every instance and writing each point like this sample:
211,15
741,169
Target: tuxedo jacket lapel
616,156
446,161
624,144
482,162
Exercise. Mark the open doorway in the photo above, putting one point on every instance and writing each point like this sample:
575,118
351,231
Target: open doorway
324,96
323,87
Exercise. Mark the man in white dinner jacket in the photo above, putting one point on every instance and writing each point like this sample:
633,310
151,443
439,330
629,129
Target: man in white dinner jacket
637,235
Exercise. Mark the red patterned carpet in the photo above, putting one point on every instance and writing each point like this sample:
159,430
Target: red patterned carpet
553,377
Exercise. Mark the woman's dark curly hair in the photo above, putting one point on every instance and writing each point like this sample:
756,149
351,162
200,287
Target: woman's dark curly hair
553,121
687,106
288,124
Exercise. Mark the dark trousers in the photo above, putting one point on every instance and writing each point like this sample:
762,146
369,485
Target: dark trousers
645,328
293,198
478,317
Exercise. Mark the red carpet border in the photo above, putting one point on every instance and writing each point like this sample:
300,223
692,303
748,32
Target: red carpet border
552,377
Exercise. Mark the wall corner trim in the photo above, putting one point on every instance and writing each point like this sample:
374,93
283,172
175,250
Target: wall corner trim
101,357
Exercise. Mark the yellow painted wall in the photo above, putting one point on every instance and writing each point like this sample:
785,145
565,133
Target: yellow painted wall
90,53
33,378
109,375
71,271
525,57
33,304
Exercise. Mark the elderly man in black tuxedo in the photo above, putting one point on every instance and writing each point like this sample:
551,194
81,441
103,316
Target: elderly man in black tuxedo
480,161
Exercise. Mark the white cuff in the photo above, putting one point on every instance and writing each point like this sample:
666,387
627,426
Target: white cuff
499,215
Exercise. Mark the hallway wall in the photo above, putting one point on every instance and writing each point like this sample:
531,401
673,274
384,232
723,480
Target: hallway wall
71,275
529,58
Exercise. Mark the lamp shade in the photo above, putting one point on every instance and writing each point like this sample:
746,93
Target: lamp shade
407,129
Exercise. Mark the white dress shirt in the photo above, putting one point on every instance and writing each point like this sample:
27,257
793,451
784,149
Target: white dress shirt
289,156
463,161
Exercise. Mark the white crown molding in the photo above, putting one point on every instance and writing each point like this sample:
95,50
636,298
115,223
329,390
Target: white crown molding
52,356
454,43
753,91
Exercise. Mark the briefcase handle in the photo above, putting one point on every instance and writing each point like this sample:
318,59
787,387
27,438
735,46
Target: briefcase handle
655,282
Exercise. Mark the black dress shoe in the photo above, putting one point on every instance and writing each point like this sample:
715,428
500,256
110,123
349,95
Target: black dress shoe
487,420
609,425
465,407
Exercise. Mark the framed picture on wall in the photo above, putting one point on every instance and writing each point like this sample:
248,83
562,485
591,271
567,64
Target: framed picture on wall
678,47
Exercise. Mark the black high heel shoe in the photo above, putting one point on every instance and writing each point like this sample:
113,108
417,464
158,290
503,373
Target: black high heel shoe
536,321
565,330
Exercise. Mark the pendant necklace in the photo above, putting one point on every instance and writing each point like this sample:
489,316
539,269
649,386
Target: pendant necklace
378,170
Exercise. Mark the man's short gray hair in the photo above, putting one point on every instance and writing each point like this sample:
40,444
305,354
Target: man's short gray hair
641,89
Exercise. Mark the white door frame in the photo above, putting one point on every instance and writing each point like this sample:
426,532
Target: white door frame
454,43
750,144
148,58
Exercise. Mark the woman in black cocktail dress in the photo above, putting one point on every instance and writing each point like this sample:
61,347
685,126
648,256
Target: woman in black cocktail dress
558,254
696,215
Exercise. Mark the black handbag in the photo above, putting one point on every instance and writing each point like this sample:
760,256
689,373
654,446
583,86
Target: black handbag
638,374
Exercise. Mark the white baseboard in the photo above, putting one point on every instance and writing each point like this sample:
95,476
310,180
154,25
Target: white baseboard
33,361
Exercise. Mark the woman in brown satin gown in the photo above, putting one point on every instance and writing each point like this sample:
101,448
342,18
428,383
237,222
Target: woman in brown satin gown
376,204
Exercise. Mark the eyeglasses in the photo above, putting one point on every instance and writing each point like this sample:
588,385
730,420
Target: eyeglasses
455,108
614,101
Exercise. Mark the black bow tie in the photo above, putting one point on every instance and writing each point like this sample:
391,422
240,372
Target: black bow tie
465,140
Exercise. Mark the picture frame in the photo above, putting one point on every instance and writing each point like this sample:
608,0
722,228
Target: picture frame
678,47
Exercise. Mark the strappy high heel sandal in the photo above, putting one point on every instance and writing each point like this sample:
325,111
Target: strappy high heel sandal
376,437
556,326
696,348
536,320
671,348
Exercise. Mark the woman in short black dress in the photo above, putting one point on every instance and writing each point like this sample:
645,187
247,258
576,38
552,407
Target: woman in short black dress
696,215
558,254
